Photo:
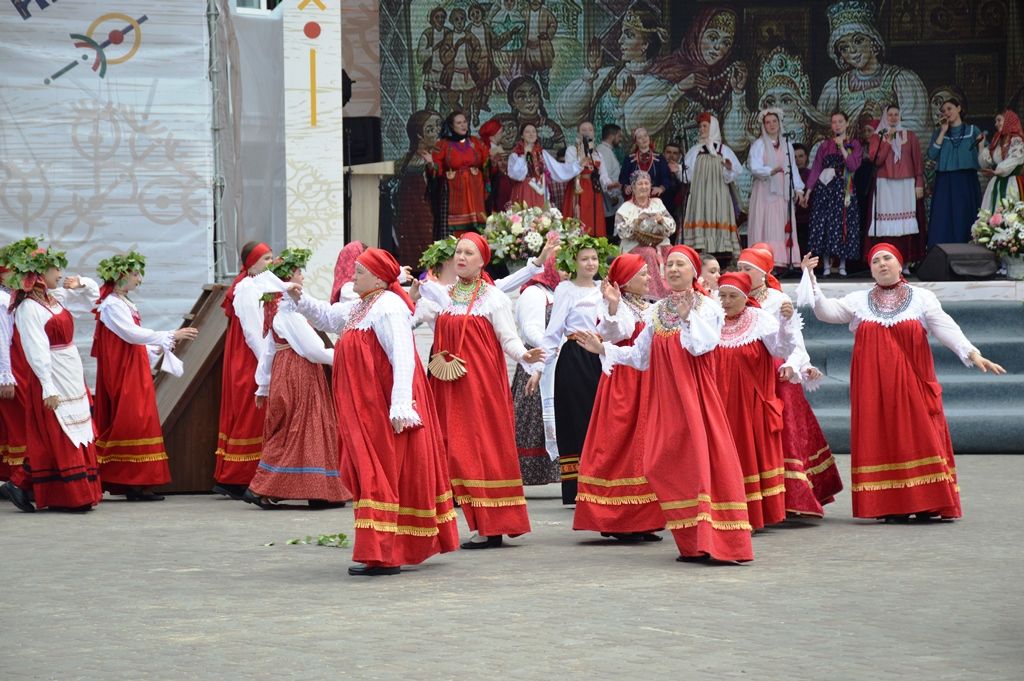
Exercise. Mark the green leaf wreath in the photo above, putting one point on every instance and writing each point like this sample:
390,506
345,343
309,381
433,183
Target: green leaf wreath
289,260
118,266
566,260
438,253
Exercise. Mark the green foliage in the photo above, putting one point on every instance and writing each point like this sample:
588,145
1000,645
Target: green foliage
289,260
24,258
118,266
438,253
566,259
334,541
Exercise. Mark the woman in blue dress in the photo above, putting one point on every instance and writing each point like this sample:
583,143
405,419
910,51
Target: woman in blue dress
957,193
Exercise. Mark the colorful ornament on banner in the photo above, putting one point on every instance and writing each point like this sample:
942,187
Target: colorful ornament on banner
312,31
131,29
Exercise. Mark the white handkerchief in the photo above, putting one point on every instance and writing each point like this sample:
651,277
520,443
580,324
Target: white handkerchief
805,290
268,282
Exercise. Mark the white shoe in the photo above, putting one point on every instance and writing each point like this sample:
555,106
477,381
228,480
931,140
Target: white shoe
842,271
827,272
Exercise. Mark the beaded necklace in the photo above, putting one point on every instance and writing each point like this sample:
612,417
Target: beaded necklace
362,309
635,303
887,302
760,294
736,328
667,321
462,293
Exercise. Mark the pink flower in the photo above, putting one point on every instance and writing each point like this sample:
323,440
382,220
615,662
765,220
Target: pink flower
996,219
516,218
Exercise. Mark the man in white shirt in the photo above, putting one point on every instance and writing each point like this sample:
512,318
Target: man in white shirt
611,138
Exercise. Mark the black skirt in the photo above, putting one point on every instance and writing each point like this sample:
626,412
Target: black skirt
577,373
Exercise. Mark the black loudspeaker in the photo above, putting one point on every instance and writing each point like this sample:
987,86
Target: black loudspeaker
951,262
362,140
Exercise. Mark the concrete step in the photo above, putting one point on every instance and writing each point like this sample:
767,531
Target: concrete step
960,390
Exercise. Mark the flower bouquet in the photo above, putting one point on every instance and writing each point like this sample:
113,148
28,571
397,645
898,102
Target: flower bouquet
519,233
1002,231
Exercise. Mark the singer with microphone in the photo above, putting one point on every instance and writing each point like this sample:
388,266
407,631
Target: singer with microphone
583,198
777,185
897,212
956,194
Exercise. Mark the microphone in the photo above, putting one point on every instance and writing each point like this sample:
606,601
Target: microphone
789,135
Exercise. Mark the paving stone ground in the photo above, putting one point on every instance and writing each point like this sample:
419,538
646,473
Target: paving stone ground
186,589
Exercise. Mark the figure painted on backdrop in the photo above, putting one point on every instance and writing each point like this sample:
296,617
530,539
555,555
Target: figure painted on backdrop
539,48
777,186
1002,161
835,215
506,19
709,224
643,157
897,212
697,77
458,165
460,74
414,218
600,94
584,198
129,437
528,107
433,52
956,194
240,438
533,170
490,42
867,83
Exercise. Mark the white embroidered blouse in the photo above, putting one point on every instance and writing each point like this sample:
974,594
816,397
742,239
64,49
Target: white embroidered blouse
295,330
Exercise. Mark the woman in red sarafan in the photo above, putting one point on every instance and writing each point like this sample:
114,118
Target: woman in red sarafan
473,330
460,161
901,457
129,438
533,170
60,468
392,451
240,439
690,460
300,435
614,498
747,378
583,198
12,410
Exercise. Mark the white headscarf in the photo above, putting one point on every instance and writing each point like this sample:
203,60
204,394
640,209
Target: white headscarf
714,137
898,138
777,183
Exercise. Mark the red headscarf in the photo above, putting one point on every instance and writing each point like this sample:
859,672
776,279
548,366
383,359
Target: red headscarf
489,129
625,267
694,258
764,260
1011,129
888,248
741,282
383,265
548,278
345,267
704,117
688,59
255,254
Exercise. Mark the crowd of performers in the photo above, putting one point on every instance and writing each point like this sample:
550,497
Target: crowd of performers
863,185
679,410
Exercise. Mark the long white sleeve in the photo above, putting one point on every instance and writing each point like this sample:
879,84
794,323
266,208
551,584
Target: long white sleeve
531,309
516,167
504,324
116,315
31,319
984,156
758,168
302,338
830,310
6,336
798,182
1014,158
78,301
783,344
392,326
556,323
637,355
264,366
323,315
945,329
702,330
737,167
250,315
513,281
561,172
617,327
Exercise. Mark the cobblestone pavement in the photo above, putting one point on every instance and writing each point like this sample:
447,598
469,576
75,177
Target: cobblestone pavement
187,589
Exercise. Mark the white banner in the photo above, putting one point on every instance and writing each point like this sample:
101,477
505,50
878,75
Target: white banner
105,140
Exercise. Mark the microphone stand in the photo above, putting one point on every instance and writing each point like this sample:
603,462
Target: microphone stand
874,197
682,161
786,136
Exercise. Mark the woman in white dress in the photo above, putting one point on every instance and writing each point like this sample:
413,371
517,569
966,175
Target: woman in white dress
772,216
709,224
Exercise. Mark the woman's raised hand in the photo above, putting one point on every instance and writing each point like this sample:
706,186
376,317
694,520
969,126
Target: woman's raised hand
810,261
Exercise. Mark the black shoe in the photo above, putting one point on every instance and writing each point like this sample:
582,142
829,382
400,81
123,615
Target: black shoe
491,543
18,497
372,571
319,504
233,491
649,536
897,519
142,495
70,509
250,497
703,558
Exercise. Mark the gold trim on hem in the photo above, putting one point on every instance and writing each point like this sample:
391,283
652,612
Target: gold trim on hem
379,526
814,470
238,458
902,466
704,498
880,485
484,502
706,517
620,482
488,484
132,458
616,501
130,443
242,441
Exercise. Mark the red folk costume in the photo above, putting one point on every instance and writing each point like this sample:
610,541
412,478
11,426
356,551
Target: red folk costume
300,435
613,496
534,171
583,198
62,458
129,441
12,373
240,437
901,456
473,321
747,378
690,458
812,477
464,165
403,500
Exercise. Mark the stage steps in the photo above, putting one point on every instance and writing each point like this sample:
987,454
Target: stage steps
985,412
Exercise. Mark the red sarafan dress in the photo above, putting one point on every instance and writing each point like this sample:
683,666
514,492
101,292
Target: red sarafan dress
901,456
613,495
240,437
473,320
812,476
533,172
12,411
583,198
403,497
464,166
129,438
747,377
690,457
300,435
62,458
